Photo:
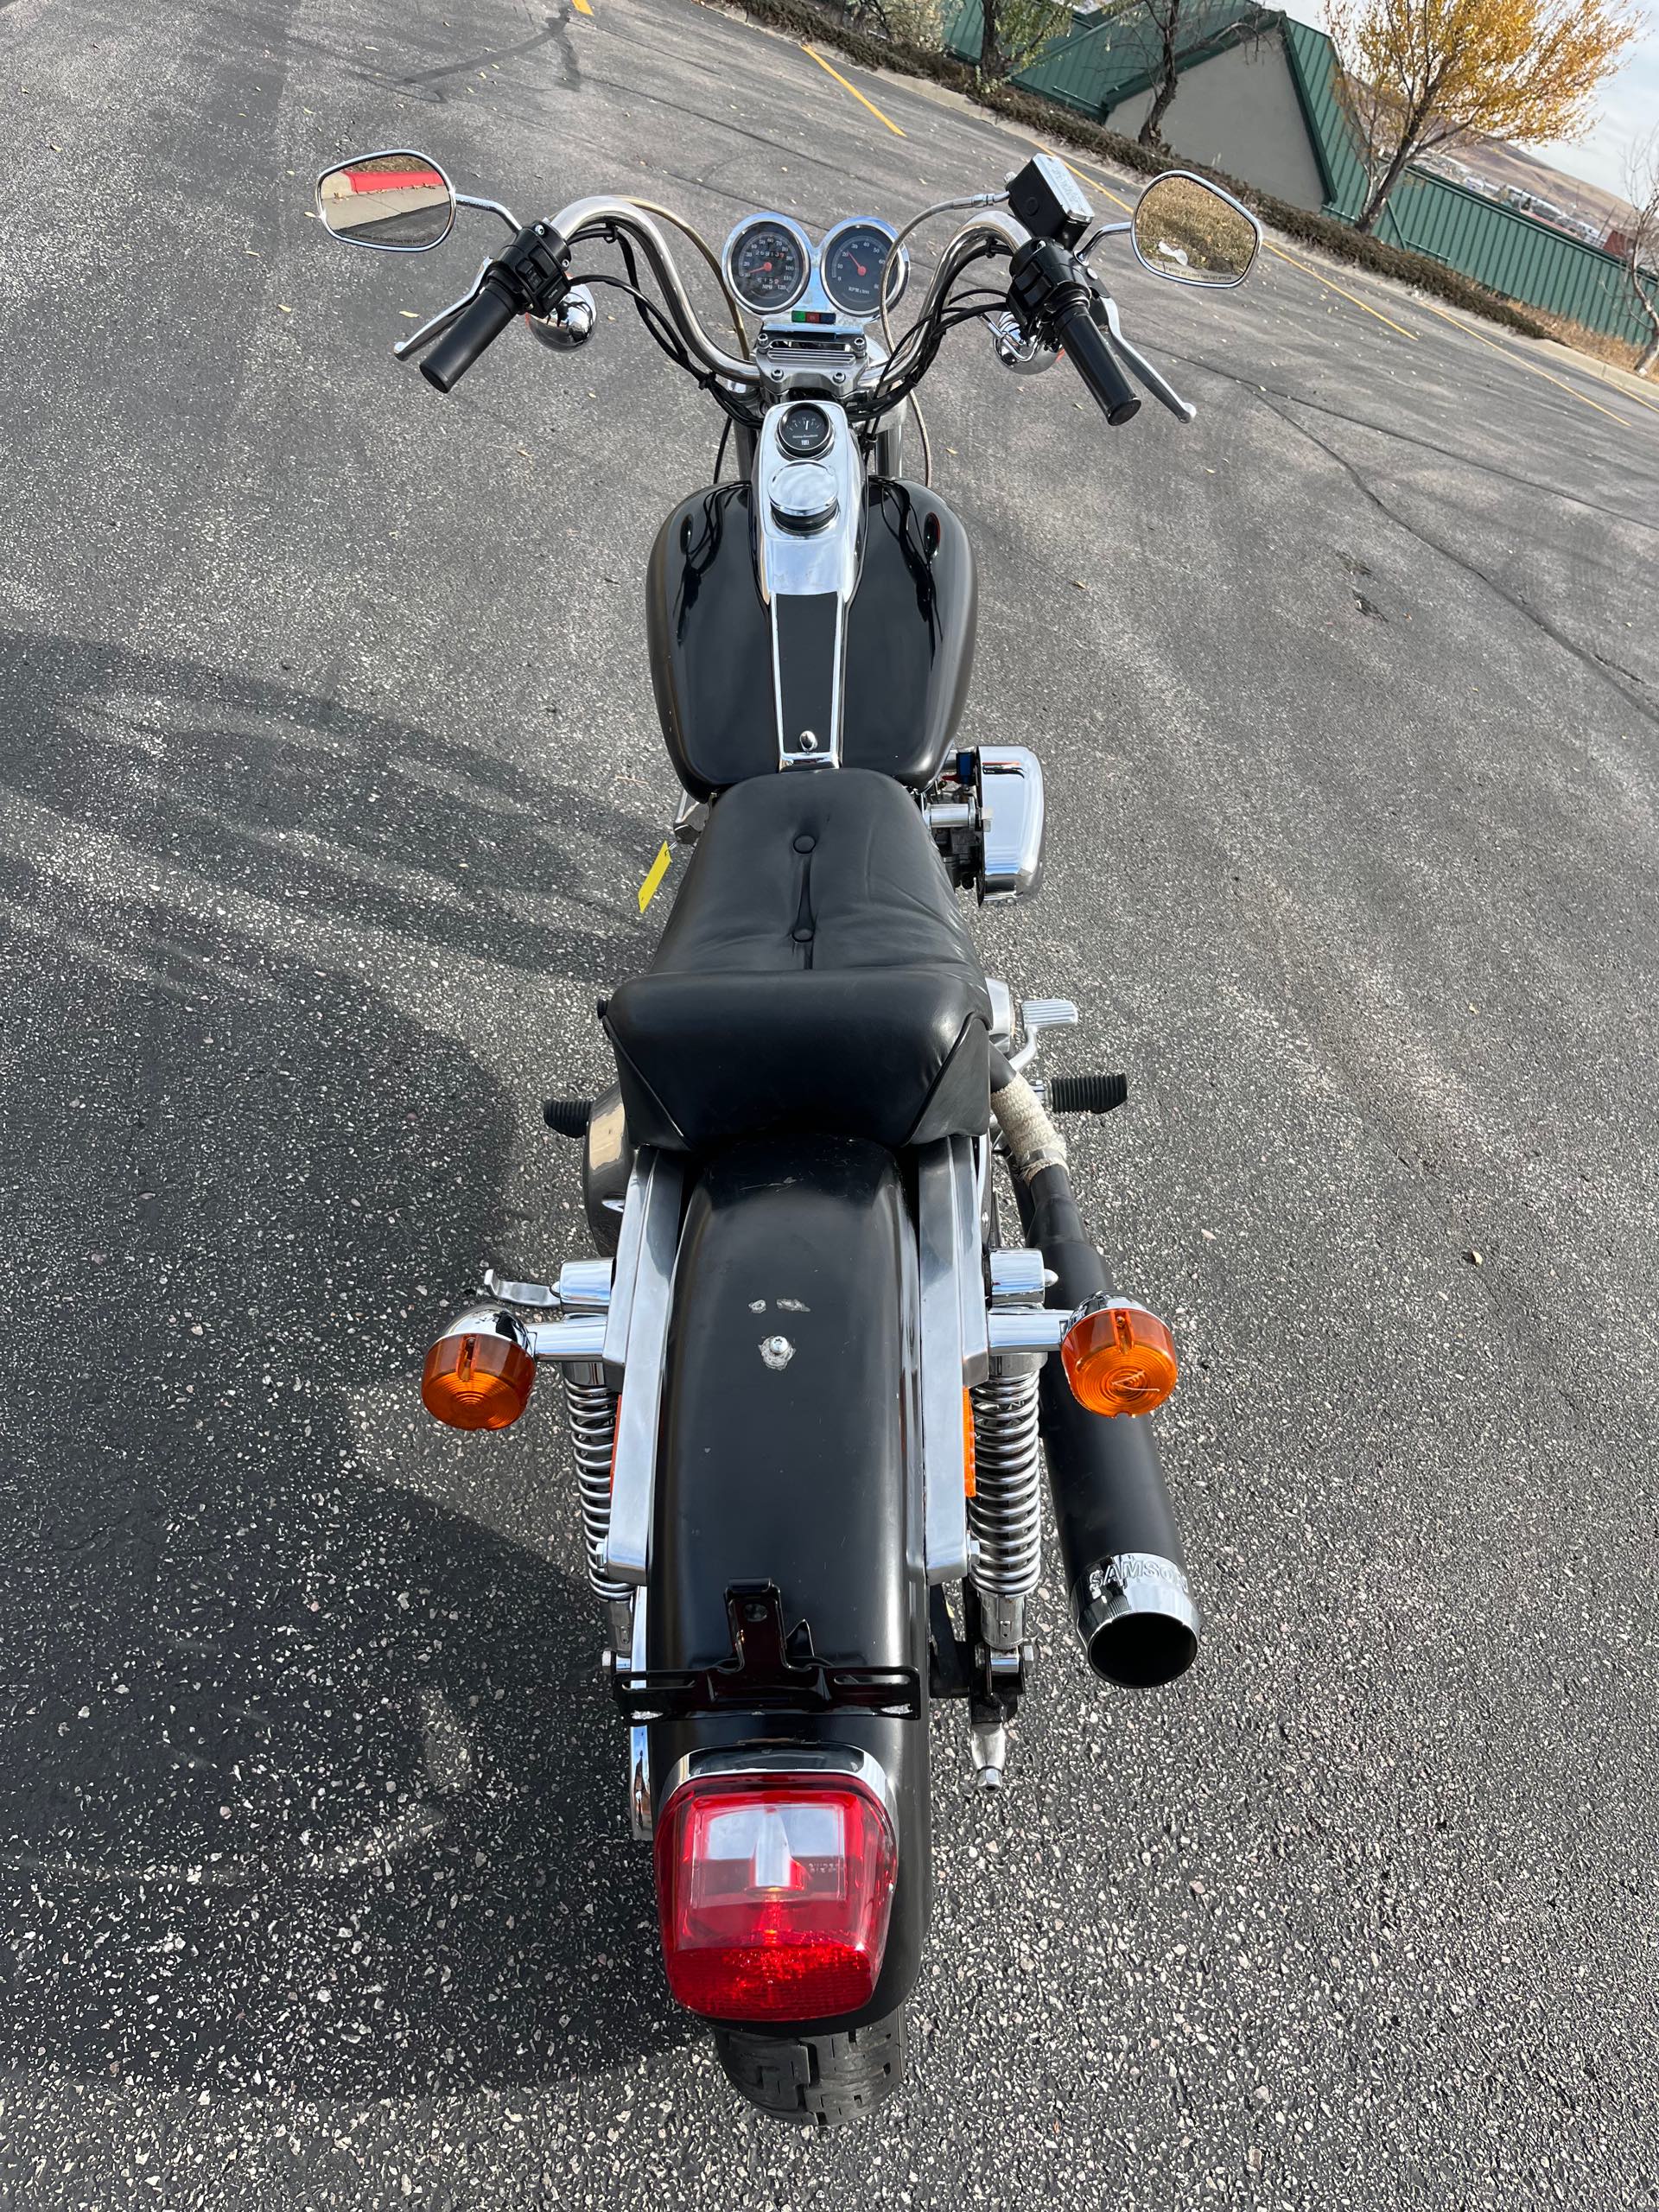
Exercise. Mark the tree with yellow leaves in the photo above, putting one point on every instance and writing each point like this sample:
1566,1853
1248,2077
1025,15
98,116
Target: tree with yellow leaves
1415,74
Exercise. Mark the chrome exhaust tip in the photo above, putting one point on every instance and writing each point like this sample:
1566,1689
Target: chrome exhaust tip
1137,1621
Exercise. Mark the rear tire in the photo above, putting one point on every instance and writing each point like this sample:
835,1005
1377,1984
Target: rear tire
824,2078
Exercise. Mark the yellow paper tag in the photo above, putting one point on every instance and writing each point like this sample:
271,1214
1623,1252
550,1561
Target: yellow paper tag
654,882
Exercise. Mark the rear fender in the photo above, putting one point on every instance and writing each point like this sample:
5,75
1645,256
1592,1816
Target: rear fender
789,1453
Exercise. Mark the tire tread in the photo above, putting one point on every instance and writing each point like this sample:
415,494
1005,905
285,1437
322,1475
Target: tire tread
828,2079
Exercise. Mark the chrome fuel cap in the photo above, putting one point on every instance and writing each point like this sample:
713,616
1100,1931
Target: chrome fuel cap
803,497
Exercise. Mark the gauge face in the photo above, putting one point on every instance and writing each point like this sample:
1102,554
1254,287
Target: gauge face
855,262
766,263
804,430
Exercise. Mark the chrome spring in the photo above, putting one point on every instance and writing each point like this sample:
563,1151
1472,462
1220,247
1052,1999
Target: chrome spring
1006,1513
591,1411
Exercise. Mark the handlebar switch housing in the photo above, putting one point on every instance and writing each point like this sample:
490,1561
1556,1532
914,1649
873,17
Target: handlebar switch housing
535,266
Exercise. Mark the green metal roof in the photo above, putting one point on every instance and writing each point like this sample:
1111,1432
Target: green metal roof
1107,57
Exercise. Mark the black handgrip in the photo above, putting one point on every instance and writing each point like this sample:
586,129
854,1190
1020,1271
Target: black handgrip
479,325
1090,353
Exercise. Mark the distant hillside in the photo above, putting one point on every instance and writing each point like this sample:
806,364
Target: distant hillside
1503,165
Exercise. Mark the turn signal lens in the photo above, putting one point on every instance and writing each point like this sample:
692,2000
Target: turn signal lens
970,1481
477,1381
1120,1359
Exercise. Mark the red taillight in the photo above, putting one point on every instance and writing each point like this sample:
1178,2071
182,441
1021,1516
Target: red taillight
774,1895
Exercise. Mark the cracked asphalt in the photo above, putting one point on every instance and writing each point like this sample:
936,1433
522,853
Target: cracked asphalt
328,771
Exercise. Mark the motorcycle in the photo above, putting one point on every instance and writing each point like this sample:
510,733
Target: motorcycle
810,1390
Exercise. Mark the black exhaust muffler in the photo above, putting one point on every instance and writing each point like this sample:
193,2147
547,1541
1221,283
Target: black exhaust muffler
1122,1550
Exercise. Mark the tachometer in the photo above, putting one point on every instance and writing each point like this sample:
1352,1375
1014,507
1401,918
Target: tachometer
767,261
853,262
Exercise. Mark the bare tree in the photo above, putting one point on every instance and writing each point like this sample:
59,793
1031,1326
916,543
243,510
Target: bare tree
1014,32
1168,35
1641,239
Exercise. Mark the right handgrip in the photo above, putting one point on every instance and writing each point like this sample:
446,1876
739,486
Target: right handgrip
1091,355
479,326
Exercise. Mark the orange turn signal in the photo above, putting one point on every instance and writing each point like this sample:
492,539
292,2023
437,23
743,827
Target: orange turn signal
1118,1360
970,1481
477,1380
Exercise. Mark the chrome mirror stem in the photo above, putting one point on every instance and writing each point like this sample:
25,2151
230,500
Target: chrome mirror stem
494,207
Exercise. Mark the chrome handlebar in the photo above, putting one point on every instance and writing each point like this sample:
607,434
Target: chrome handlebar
601,212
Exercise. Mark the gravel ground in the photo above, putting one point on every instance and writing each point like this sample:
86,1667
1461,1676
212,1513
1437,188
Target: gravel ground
328,771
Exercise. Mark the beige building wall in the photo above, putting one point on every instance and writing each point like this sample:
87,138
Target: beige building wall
1240,112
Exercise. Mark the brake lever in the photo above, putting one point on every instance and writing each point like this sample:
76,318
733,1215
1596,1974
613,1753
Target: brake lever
1159,387
437,324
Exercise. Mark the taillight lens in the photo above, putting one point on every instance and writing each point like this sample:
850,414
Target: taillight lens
1120,1359
477,1380
774,1896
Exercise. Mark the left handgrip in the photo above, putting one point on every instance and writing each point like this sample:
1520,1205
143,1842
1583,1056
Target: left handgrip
479,327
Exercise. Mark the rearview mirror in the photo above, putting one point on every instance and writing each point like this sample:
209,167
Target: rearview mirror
1193,232
400,201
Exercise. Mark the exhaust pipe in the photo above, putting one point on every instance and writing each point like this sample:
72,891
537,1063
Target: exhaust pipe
1124,1568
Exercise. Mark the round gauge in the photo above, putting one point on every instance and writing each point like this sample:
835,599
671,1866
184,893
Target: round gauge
854,263
767,262
803,429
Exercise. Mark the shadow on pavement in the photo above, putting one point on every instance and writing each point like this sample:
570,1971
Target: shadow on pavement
306,1780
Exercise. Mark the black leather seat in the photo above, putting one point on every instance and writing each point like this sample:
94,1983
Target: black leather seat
815,975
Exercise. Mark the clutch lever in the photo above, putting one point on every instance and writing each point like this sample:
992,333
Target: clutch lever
1106,311
436,325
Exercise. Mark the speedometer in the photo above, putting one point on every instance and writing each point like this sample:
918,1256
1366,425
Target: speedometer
767,262
854,263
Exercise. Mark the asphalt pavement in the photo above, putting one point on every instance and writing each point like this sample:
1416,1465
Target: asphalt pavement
329,774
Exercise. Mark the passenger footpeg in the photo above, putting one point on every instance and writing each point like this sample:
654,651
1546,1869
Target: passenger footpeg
568,1115
1085,1094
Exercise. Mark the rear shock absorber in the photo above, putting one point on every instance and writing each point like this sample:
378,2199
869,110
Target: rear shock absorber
1005,1512
591,1412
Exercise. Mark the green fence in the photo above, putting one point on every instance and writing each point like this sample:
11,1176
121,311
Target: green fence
1507,252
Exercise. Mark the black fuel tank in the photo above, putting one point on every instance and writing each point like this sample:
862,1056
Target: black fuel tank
910,639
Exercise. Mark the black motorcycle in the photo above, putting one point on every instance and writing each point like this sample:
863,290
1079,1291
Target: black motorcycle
807,1382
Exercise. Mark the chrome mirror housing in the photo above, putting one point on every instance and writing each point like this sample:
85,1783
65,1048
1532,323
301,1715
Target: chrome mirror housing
397,201
1193,233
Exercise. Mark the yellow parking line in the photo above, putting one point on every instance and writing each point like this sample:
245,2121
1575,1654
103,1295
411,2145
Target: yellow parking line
1531,367
1083,177
581,7
1331,285
853,89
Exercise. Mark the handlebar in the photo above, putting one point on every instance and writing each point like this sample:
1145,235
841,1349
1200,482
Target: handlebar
476,327
1049,287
